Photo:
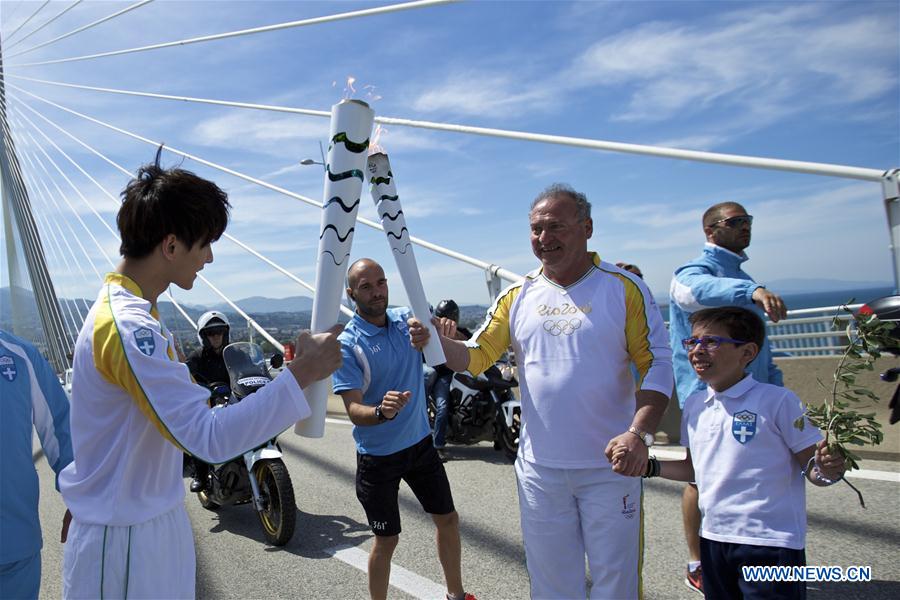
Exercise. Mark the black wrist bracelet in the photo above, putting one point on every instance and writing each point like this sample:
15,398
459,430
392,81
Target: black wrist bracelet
652,468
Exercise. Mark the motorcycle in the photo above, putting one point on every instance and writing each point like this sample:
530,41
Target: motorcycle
270,488
481,408
887,309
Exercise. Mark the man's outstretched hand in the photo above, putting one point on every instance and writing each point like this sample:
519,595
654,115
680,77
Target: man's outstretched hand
318,355
418,333
771,303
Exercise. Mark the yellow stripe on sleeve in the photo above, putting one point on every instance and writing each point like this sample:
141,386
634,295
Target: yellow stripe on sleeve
492,339
637,329
112,363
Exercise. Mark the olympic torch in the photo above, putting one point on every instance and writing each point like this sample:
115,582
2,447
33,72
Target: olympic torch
351,125
384,193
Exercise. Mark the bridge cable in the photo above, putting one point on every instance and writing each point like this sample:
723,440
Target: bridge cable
30,246
504,273
50,20
87,203
58,209
264,29
25,22
252,322
737,160
128,173
103,222
53,245
83,28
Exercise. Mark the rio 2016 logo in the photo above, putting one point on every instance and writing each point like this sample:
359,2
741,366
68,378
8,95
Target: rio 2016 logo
566,309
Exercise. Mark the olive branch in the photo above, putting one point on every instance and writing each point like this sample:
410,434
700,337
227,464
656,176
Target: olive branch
839,415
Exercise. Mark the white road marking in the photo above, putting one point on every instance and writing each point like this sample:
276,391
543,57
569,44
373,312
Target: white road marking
402,579
334,421
679,453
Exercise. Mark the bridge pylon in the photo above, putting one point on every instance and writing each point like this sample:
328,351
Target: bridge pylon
23,239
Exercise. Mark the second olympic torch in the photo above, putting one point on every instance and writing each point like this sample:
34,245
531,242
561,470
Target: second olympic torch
384,193
351,126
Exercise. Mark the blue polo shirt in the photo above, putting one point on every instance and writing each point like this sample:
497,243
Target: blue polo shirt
376,361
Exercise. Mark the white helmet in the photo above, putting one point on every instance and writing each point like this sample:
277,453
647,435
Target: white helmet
212,319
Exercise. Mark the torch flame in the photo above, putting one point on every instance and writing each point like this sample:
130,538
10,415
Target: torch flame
371,96
349,89
375,144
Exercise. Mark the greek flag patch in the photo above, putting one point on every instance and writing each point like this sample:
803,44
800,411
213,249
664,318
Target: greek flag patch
743,426
145,341
8,368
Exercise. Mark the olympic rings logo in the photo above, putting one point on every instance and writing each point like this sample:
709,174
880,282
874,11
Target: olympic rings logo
556,327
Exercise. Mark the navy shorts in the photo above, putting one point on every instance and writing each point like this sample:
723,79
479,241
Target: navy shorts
378,483
723,577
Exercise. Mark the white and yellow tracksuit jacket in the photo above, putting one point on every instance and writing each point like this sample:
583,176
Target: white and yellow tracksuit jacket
574,347
135,409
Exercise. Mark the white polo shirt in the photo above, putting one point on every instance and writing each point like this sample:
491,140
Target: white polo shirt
742,441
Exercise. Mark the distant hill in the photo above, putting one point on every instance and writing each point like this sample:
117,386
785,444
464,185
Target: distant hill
811,286
260,304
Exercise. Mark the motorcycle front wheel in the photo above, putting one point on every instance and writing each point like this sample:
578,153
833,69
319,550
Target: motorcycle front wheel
508,437
279,514
431,409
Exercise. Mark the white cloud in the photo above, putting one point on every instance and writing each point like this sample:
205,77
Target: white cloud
771,63
653,215
483,93
262,132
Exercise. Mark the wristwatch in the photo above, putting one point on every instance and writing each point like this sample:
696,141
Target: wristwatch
647,438
381,416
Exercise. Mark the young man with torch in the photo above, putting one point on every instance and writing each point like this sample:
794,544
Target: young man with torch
135,409
381,384
576,325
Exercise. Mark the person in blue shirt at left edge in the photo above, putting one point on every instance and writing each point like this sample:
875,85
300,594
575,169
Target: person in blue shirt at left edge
31,394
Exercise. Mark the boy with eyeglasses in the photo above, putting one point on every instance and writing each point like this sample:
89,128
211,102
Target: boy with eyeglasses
746,458
716,278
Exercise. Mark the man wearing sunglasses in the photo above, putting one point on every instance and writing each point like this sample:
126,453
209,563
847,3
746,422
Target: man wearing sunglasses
716,278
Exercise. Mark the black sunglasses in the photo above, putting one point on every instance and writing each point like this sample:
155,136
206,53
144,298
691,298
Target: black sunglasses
738,221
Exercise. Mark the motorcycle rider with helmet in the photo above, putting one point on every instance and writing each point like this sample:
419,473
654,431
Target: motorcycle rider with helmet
441,388
207,367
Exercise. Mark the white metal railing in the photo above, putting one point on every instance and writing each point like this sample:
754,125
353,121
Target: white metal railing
810,334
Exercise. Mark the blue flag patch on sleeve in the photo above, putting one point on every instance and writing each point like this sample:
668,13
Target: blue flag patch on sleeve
145,341
8,370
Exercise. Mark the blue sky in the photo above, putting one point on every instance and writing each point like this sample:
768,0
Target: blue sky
812,81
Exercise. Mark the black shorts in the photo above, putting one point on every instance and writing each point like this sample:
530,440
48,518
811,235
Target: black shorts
723,576
378,482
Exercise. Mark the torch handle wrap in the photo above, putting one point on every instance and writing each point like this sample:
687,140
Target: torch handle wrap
387,202
351,126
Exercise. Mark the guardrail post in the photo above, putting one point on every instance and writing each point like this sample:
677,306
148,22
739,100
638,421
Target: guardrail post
494,283
890,185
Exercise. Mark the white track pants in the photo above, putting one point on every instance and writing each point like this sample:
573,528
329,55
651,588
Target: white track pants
154,559
567,513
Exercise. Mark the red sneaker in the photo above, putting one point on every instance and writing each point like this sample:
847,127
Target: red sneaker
694,580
